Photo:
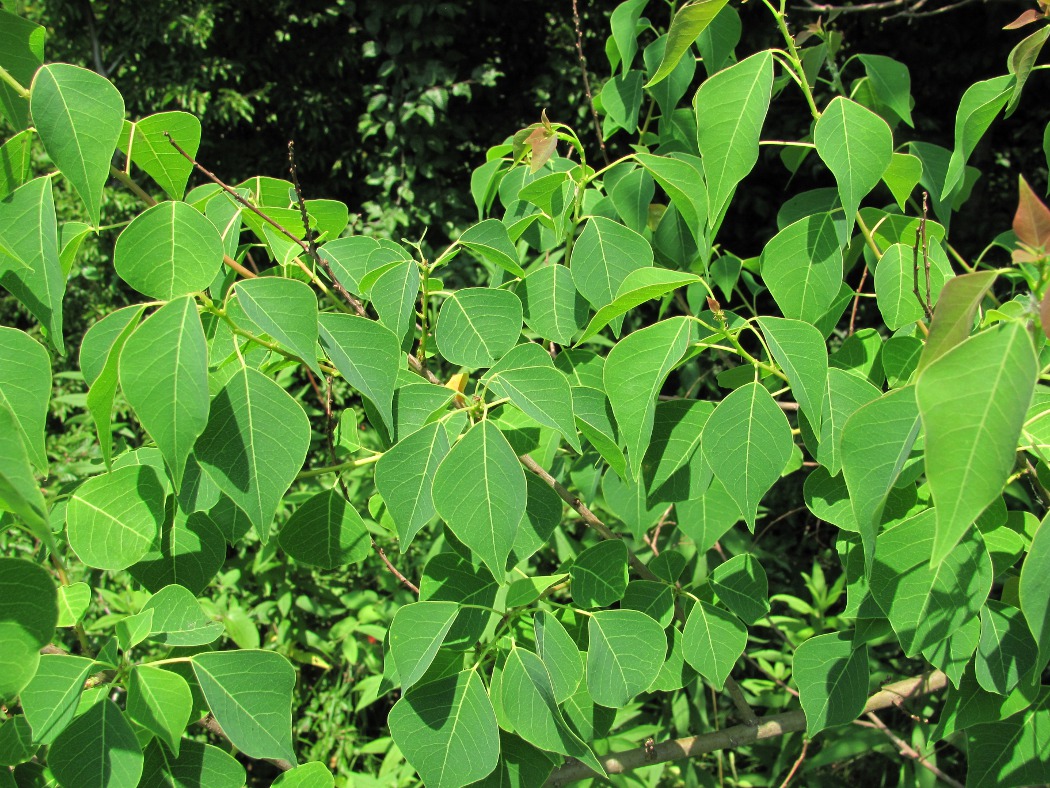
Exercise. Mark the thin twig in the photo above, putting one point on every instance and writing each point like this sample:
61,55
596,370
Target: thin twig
922,243
908,751
587,82
651,540
856,298
743,708
798,762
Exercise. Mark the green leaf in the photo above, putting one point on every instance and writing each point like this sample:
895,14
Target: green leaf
553,307
979,106
688,23
164,375
21,54
348,258
902,176
891,81
747,442
447,730
97,748
632,194
857,146
1021,62
477,325
625,655
190,551
635,370
671,461
595,419
405,477
707,518
529,589
167,251
197,766
895,284
448,577
326,532
802,267
50,699
367,355
145,143
520,765
799,350
637,287
254,444
602,257
559,653
529,703
29,230
479,490
713,641
285,309
621,97
832,680
599,574
416,633
542,515
730,109
1007,651
489,241
15,160
624,21
846,393
926,606
954,315
16,741
528,377
742,586
684,184
160,701
113,519
1034,590
394,297
308,775
73,602
250,694
179,619
79,116
113,334
870,467
26,389
630,503
28,614
1013,752
19,491
973,402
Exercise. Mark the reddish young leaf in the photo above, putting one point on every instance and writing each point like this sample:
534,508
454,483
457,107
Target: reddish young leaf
1026,18
1032,220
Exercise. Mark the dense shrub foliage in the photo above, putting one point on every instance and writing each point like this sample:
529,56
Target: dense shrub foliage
583,493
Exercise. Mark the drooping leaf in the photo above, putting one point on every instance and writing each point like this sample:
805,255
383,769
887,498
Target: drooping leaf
832,680
707,518
902,176
1034,590
160,701
688,23
405,478
254,444
621,97
602,257
489,241
477,325
953,317
684,184
527,376
250,694
730,108
553,307
145,143
623,22
113,519
979,106
747,442
871,468
286,310
857,146
416,633
447,730
348,258
164,375
394,297
559,653
802,267
29,231
672,460
635,370
479,490
713,641
28,614
891,81
326,531
169,250
78,115
973,402
926,606
846,394
112,334
366,354
637,287
97,748
15,163
19,491
625,655
799,350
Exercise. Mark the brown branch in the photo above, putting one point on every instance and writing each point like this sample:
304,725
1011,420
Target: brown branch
908,751
856,298
743,708
768,727
587,82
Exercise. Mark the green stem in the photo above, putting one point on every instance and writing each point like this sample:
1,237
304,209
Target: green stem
793,56
14,84
339,468
272,346
739,349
